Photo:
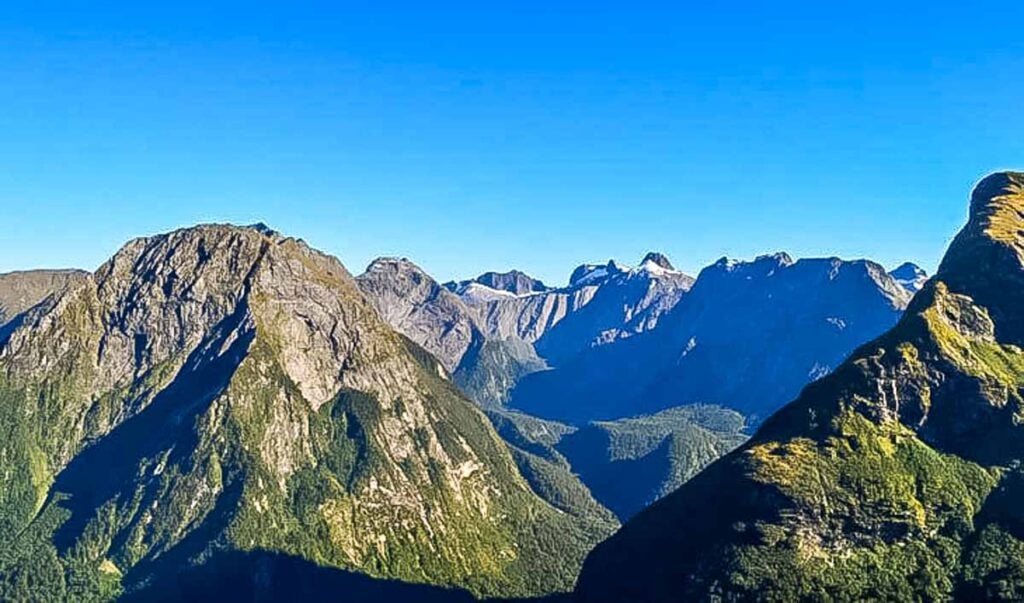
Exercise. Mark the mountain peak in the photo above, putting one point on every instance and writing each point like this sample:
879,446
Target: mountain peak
658,259
779,258
255,400
262,228
910,276
996,214
908,270
995,189
986,259
394,264
513,281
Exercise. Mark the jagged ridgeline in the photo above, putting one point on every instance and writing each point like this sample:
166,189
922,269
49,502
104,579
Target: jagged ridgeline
895,478
223,393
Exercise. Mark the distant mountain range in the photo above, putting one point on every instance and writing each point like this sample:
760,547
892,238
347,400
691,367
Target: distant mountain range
618,346
895,478
748,336
620,341
489,338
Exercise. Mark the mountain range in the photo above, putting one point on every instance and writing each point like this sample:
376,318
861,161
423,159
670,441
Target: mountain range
226,403
622,347
619,341
747,336
896,477
220,396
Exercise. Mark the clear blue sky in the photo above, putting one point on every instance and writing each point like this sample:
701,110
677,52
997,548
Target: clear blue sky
470,137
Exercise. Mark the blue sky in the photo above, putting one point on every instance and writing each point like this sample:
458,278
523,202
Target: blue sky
469,136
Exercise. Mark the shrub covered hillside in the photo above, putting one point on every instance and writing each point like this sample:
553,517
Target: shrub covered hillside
223,393
895,478
627,464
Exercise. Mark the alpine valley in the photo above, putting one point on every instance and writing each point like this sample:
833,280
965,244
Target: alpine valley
225,413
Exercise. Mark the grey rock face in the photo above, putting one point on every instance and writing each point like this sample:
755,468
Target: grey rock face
415,305
748,335
20,291
485,367
601,304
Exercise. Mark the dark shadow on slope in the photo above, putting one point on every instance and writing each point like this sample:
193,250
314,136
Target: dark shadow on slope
110,466
626,485
1003,505
600,383
996,572
266,576
8,328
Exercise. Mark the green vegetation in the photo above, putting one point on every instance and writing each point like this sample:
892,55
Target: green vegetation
488,374
626,464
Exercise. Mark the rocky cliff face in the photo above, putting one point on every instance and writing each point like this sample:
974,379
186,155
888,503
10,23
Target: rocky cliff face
415,305
222,389
895,478
601,304
485,367
747,335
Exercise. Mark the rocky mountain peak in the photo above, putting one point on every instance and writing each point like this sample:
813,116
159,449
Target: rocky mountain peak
20,291
414,304
908,270
396,266
514,281
658,259
779,258
986,259
587,273
910,276
262,228
760,265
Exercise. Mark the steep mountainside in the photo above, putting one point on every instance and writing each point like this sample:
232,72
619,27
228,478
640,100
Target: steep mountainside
418,307
484,367
227,395
19,291
601,304
748,335
897,477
